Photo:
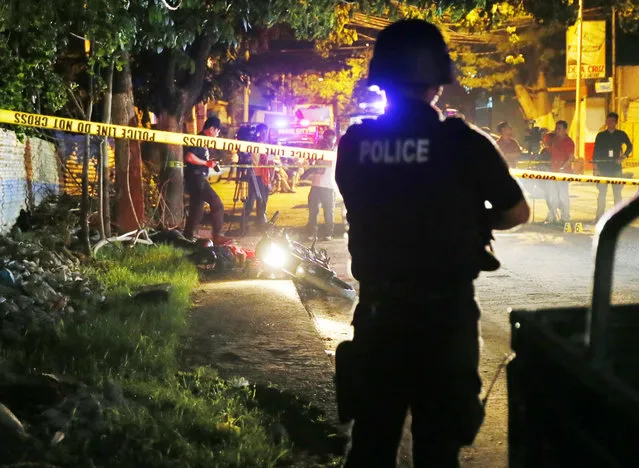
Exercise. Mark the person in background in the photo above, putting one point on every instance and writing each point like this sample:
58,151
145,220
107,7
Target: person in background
607,158
562,155
197,163
281,182
323,190
508,145
259,186
543,164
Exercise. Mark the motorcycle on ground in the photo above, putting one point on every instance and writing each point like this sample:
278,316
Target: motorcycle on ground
308,266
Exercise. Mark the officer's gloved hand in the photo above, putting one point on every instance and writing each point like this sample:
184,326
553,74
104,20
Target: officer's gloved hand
213,163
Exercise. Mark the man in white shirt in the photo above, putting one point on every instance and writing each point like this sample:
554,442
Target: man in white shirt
323,191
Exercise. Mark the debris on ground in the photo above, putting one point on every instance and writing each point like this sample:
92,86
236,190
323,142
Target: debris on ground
41,280
39,287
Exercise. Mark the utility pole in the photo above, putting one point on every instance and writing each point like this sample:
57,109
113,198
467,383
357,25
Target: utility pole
580,20
615,104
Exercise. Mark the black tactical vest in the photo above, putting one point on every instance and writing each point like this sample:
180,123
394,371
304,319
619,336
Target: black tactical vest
409,187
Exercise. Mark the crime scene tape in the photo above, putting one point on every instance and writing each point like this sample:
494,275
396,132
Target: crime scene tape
158,136
225,144
563,177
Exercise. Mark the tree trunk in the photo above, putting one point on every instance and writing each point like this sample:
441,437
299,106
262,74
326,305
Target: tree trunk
336,117
545,119
86,202
171,176
105,202
177,100
525,101
128,164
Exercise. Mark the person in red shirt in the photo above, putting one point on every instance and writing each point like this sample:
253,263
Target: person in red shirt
508,145
562,154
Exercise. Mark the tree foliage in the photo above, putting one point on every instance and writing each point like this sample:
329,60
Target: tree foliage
29,47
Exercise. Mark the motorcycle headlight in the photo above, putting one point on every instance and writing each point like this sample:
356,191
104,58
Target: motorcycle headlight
275,256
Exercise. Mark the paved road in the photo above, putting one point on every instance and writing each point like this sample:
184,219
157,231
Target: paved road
543,267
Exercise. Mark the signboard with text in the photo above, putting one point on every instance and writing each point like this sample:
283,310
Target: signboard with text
593,51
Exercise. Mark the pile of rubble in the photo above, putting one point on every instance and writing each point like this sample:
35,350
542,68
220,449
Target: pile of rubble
38,287
40,279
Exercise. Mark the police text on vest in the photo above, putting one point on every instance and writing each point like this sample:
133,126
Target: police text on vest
394,152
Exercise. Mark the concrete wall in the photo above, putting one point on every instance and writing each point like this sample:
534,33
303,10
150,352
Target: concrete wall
629,103
628,82
29,171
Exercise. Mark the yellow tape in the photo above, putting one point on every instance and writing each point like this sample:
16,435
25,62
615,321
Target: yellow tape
561,177
158,136
224,144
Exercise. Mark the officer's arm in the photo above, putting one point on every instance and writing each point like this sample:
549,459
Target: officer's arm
628,144
193,159
496,185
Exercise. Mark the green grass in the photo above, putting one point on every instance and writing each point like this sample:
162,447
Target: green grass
171,418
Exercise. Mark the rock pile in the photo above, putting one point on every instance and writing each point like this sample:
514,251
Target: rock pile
40,286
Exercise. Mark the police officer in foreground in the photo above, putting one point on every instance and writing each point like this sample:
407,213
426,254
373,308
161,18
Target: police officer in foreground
416,339
197,162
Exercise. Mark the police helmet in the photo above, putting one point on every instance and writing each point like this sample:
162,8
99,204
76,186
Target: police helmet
410,52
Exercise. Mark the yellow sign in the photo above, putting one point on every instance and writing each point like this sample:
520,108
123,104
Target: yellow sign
567,227
158,136
593,50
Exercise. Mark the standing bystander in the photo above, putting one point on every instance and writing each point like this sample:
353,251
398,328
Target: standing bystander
607,158
323,191
508,145
562,154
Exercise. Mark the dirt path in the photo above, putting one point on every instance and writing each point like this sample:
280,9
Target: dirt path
259,331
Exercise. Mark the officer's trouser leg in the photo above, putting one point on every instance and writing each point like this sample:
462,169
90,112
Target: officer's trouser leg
314,201
216,206
261,204
328,205
196,205
601,199
616,192
248,206
377,432
445,406
424,357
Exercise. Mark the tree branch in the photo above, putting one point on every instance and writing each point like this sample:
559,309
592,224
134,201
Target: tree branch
202,50
77,104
